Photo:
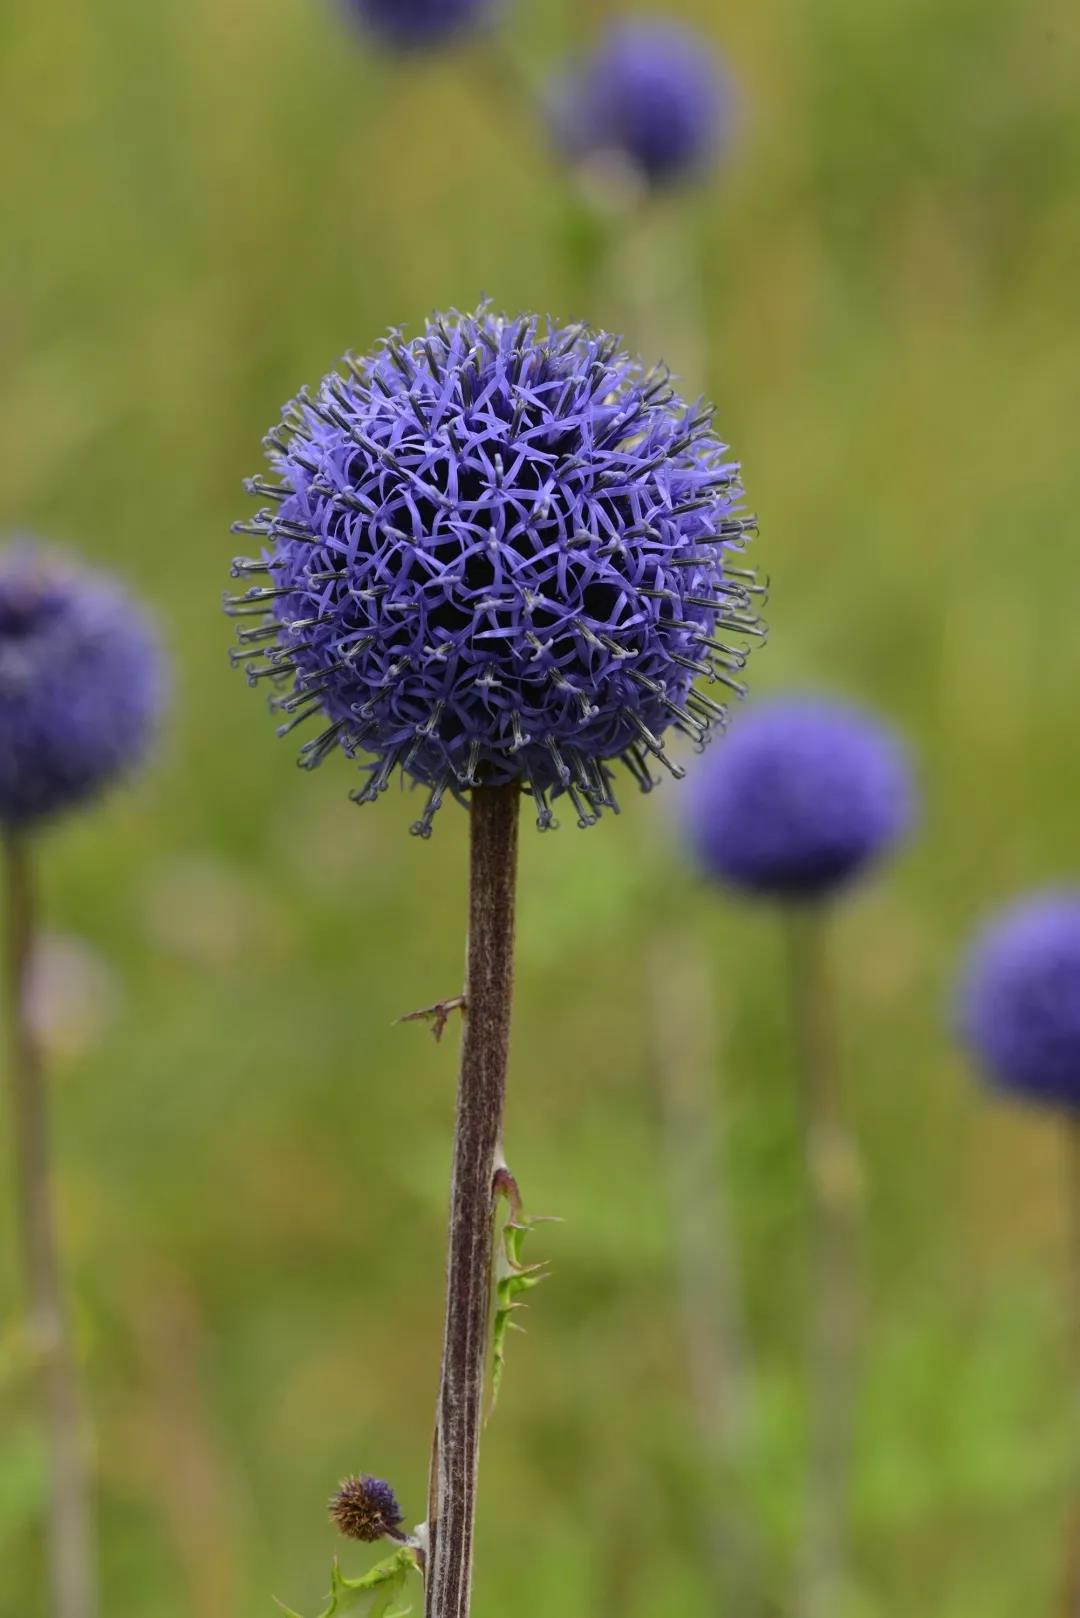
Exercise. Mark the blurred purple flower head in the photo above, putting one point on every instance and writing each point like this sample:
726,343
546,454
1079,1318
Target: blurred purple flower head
652,93
81,684
804,795
410,25
498,551
365,1508
1018,1008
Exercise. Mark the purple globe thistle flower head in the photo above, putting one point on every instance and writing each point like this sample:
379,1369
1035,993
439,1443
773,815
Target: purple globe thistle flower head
366,1508
81,684
1018,1007
803,797
500,551
416,25
652,93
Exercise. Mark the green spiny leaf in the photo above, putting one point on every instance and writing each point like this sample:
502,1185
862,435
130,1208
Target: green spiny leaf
374,1596
512,1277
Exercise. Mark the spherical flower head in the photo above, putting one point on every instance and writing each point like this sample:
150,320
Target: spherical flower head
501,551
416,25
81,684
804,796
653,94
1018,1007
366,1509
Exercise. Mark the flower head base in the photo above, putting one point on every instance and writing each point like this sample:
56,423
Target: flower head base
366,1509
804,796
498,552
651,94
412,25
81,685
1018,1007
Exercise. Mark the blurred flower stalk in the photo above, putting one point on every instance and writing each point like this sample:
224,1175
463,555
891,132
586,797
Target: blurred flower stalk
644,118
80,693
804,797
713,1330
1018,1013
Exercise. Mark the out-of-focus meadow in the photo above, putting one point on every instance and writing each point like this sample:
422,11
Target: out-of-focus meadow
200,207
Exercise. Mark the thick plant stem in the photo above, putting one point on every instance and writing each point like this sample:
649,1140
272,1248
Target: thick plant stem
70,1556
1072,1199
834,1179
477,1146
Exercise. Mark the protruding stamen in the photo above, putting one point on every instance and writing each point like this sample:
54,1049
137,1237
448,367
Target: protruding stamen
313,752
467,776
654,744
695,664
545,818
561,769
300,717
267,491
379,779
274,672
744,625
695,727
634,761
255,637
427,727
585,817
609,788
422,827
710,710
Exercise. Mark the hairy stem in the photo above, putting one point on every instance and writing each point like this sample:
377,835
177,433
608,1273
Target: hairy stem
835,1193
1072,1197
70,1557
477,1144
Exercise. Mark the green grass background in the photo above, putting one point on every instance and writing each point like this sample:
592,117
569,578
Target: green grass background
202,205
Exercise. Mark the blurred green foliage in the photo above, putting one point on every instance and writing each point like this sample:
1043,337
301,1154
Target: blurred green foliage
201,207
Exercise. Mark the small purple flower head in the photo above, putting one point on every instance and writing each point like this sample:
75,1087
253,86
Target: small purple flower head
804,795
416,25
81,684
1018,1008
651,93
366,1509
501,551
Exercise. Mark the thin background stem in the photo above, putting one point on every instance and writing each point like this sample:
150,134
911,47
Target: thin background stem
1072,1199
712,1329
71,1561
485,1050
835,1193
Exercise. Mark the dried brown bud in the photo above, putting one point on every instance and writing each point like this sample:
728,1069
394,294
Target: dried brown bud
366,1508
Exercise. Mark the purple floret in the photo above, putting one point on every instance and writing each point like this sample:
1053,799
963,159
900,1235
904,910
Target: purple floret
418,24
81,684
498,551
804,795
652,93
1018,1008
